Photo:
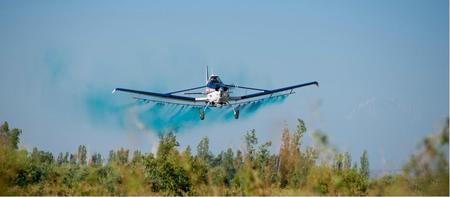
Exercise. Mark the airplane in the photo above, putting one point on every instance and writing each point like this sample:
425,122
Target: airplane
215,94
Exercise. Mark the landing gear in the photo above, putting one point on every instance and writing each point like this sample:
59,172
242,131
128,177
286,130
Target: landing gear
202,111
202,114
236,113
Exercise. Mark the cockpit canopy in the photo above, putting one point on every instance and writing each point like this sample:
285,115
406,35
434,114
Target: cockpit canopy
214,79
214,82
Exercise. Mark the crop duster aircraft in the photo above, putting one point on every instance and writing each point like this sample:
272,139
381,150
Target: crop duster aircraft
215,94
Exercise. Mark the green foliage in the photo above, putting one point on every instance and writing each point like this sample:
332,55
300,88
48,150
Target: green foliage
167,145
228,166
96,160
137,158
347,161
294,170
203,151
122,156
262,156
73,159
364,162
250,142
82,154
298,135
39,157
112,157
427,171
284,161
338,163
166,173
9,137
60,159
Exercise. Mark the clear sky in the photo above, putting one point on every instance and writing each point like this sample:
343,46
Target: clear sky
382,66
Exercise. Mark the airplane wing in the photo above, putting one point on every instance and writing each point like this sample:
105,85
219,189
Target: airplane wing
146,100
167,96
269,93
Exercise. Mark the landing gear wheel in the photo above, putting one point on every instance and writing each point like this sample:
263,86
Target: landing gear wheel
202,115
236,114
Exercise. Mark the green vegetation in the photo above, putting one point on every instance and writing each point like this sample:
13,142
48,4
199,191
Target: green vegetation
295,170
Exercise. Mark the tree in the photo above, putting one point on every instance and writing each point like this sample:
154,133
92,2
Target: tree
256,172
112,157
228,166
122,156
166,173
96,160
60,159
262,156
167,144
203,151
82,155
198,172
66,158
4,128
284,158
187,153
250,143
9,137
4,134
215,161
303,167
347,161
14,137
263,164
298,135
338,163
427,170
238,161
39,157
36,170
364,165
137,157
73,159
298,163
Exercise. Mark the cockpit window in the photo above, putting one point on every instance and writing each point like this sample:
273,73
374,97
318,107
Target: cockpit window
215,79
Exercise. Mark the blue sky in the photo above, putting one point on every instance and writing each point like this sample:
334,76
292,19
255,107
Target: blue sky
382,68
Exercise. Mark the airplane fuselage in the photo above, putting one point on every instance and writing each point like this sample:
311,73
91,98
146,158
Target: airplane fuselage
216,92
218,98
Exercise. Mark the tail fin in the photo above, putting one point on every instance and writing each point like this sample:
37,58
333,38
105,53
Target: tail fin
207,74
